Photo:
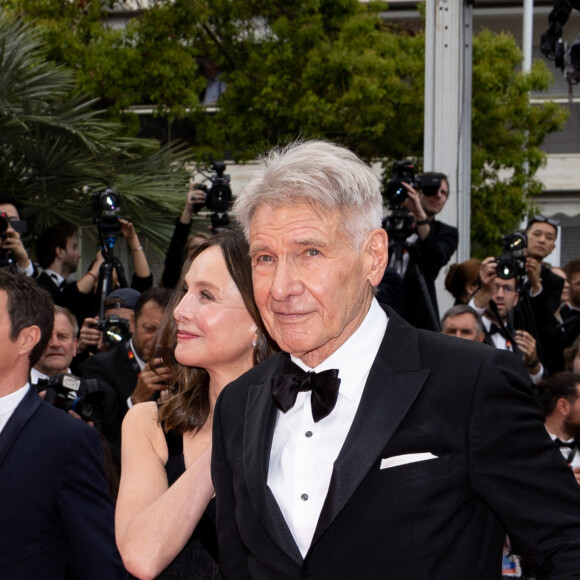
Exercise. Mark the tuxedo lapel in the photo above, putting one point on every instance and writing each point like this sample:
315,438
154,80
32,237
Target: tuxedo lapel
259,426
393,384
18,420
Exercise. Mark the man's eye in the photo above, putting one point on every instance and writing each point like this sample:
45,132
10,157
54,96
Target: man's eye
263,258
206,295
313,252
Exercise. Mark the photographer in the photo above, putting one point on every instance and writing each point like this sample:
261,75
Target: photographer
54,362
12,250
495,302
433,243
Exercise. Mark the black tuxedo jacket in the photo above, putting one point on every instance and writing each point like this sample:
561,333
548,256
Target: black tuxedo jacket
55,509
117,370
444,518
69,296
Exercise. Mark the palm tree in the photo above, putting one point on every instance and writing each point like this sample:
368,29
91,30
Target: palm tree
56,148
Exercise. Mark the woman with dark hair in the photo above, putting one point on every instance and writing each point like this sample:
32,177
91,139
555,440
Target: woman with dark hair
462,280
211,334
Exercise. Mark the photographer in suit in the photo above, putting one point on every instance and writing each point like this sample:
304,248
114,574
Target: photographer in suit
130,368
434,243
368,448
55,511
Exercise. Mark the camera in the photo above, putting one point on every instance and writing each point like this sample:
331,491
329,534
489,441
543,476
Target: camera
17,225
219,195
429,183
403,171
115,330
70,393
107,206
512,262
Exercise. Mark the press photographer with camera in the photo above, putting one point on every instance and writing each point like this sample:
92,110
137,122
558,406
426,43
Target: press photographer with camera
496,301
217,198
13,254
93,401
428,243
131,368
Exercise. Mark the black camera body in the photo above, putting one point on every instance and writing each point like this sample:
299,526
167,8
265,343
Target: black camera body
20,226
115,330
107,206
512,262
70,393
429,183
403,171
219,195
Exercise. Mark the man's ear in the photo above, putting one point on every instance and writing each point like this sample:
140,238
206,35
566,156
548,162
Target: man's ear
377,252
28,338
563,406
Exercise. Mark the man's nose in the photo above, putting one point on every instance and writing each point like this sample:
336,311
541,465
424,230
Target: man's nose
286,281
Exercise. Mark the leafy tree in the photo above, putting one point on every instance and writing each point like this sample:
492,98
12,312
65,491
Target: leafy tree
55,148
312,68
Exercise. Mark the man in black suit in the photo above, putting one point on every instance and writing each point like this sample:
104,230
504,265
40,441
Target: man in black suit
55,510
130,368
431,247
407,454
57,252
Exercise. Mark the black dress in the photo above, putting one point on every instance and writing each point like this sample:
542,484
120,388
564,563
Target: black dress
199,558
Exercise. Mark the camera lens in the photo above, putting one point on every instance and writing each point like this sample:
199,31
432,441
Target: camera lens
506,269
4,223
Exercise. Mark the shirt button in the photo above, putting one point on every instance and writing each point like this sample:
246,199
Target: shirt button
304,496
308,433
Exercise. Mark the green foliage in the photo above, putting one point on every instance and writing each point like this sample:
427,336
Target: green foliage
55,148
506,136
307,68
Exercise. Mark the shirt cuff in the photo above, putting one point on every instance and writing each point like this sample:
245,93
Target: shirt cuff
28,271
129,403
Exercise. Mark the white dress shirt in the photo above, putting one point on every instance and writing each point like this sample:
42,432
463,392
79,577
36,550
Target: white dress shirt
303,452
9,403
567,451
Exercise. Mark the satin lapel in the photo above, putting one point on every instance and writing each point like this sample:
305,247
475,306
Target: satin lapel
19,418
393,384
259,424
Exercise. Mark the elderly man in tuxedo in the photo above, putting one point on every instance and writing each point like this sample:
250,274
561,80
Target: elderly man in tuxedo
371,449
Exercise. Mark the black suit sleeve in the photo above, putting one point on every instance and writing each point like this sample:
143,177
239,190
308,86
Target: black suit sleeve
174,255
437,248
86,508
235,566
516,468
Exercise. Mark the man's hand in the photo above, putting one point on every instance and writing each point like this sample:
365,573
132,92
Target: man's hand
89,335
488,277
527,345
11,242
154,377
195,198
533,267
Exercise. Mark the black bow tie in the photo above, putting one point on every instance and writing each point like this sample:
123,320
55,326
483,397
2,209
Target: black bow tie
495,329
570,444
324,387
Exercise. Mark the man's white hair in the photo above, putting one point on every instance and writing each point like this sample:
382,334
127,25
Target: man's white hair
322,174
